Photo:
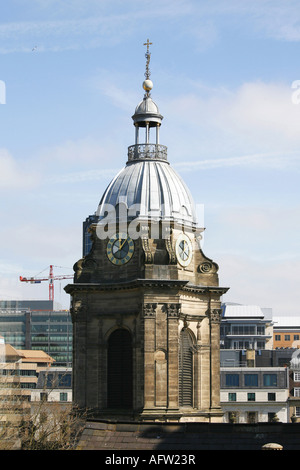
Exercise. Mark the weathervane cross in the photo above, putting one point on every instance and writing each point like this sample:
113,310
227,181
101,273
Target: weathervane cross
147,55
148,43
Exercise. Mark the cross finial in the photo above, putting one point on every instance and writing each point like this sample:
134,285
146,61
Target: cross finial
148,43
147,55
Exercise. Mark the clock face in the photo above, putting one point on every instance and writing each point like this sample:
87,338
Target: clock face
184,250
120,249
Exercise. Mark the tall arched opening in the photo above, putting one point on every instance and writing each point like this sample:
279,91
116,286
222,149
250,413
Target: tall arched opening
119,370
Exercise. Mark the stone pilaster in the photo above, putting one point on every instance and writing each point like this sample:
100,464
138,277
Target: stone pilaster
215,320
149,313
173,311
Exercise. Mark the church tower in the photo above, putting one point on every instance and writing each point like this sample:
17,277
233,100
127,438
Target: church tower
145,301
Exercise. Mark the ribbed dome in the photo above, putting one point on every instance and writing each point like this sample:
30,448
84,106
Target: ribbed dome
146,106
147,111
157,189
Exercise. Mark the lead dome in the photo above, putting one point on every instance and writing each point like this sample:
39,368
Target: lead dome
152,190
147,112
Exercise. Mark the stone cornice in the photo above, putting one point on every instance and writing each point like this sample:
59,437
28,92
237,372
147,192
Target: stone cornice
136,283
89,286
205,289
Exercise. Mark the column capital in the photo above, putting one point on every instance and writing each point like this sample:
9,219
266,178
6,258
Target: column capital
149,310
172,310
215,315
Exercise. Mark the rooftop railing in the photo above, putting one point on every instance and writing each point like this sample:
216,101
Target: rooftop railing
147,151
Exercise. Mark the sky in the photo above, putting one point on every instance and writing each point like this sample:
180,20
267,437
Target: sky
226,78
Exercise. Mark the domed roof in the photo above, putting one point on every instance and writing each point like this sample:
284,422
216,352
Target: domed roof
147,111
155,189
147,105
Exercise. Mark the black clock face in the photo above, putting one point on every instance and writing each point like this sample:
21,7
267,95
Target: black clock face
120,249
184,250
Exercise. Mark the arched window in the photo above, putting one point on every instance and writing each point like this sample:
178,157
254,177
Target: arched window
119,370
185,369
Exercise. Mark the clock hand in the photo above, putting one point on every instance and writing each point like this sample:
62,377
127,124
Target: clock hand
117,246
184,247
122,244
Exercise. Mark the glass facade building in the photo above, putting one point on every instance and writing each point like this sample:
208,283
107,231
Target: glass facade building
86,239
37,325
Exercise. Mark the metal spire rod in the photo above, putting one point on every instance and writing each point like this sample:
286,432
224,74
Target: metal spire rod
147,55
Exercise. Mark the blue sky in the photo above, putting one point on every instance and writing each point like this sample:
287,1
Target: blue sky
71,76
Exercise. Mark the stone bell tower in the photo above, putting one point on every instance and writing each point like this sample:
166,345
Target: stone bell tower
145,301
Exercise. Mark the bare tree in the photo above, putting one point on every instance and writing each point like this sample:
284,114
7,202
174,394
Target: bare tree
51,427
39,425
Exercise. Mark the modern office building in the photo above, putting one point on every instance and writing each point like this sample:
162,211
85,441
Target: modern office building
86,236
260,386
259,358
286,331
19,371
246,327
254,394
294,387
38,324
54,385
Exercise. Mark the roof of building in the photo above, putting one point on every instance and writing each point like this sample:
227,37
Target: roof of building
281,321
246,311
154,189
10,354
32,355
148,111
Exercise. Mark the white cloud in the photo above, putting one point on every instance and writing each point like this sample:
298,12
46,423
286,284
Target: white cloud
11,288
272,18
257,253
258,117
280,20
258,107
13,174
78,160
267,231
256,282
263,108
39,243
269,161
262,117
74,153
84,176
74,26
115,89
30,249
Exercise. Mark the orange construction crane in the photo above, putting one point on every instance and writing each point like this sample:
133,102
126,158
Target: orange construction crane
50,278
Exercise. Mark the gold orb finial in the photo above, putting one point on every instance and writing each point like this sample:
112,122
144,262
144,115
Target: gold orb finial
147,85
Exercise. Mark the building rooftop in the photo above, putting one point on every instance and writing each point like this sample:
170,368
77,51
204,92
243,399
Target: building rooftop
11,354
32,355
246,311
286,321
